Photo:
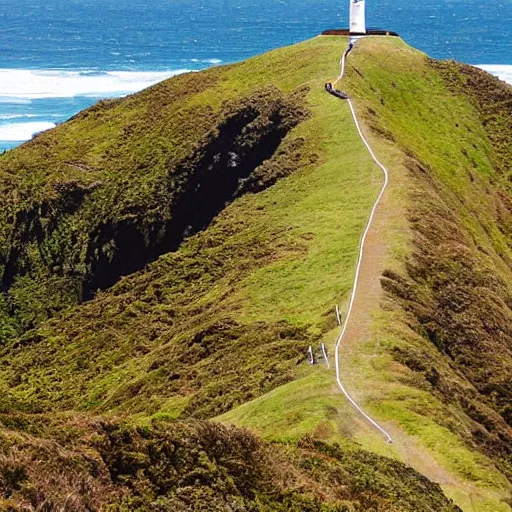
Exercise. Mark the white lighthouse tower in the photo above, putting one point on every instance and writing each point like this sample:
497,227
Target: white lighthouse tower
357,17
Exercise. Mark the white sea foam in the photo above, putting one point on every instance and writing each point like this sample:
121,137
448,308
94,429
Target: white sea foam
15,101
23,85
22,131
4,117
207,61
502,71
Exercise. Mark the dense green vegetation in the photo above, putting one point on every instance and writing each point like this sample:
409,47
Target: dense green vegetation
171,255
451,124
454,285
87,464
73,225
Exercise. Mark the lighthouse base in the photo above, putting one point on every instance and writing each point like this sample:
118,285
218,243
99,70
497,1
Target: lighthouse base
369,32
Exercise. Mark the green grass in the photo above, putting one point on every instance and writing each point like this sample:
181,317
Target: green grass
219,327
307,405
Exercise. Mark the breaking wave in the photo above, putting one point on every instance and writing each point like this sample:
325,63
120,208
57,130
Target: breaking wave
18,132
30,99
502,71
23,85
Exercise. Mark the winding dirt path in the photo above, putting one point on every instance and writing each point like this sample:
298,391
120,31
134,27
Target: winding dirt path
362,247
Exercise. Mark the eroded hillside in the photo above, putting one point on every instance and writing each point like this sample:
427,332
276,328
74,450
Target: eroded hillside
107,197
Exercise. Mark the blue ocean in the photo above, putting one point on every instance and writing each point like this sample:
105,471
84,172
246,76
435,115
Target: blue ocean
60,56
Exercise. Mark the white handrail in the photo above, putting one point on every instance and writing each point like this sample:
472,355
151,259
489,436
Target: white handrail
360,258
326,357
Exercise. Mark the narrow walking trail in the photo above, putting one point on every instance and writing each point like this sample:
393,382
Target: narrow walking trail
331,89
357,354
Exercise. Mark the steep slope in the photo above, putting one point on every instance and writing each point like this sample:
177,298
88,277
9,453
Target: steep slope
234,200
193,300
103,195
454,330
460,266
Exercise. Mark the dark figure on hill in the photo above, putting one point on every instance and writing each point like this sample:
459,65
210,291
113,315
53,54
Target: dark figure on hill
331,90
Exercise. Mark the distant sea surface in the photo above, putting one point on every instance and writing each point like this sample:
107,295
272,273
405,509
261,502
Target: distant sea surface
60,56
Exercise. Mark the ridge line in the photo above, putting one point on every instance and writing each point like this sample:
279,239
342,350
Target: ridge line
361,249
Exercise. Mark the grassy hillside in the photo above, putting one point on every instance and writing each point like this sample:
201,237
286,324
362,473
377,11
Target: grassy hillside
232,201
458,290
445,259
197,302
